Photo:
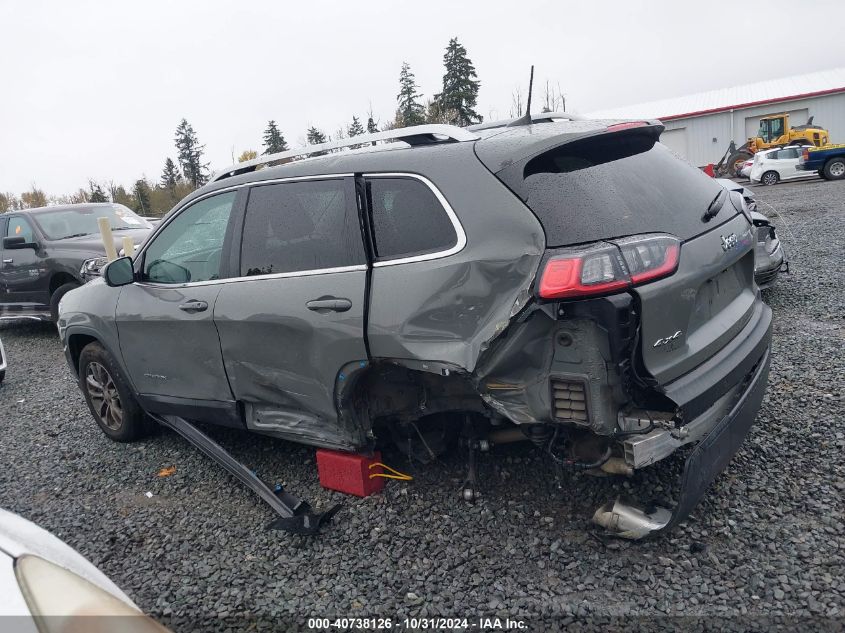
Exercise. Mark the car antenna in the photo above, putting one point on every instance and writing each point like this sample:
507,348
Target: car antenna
525,119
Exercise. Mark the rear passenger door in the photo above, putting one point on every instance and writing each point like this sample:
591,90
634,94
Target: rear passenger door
788,163
295,316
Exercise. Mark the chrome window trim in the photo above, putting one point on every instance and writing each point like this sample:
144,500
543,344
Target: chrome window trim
456,224
450,212
253,183
295,273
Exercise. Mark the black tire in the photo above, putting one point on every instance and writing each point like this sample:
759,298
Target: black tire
770,178
734,164
2,376
57,295
834,169
109,396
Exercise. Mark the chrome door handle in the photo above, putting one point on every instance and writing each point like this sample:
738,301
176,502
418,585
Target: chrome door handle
329,304
8,261
194,306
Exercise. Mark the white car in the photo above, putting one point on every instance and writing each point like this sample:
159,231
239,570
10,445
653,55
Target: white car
745,170
50,587
773,165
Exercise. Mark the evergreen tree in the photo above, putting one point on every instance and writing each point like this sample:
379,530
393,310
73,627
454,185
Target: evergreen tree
170,176
411,111
141,193
460,87
119,196
315,136
355,128
97,194
372,127
274,142
190,155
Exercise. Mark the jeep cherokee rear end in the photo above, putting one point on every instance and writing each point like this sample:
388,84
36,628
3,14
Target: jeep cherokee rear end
646,327
573,280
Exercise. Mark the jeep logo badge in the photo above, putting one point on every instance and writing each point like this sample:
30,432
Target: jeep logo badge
729,242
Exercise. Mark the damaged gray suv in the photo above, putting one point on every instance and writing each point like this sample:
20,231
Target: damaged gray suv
562,281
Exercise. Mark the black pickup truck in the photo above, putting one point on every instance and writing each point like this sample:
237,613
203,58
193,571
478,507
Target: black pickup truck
49,251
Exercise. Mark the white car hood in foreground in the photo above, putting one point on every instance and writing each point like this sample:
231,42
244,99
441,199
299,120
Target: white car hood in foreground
19,537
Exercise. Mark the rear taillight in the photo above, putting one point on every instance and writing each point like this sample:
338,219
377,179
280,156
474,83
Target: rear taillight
606,267
805,155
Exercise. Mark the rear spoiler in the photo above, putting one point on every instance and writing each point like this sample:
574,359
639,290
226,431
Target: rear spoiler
518,145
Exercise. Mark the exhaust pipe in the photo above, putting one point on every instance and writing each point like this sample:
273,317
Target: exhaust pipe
631,520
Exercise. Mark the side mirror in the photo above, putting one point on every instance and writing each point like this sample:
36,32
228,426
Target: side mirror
17,242
166,272
119,272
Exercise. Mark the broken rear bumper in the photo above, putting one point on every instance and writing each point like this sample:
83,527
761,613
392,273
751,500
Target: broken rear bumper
707,394
713,453
709,458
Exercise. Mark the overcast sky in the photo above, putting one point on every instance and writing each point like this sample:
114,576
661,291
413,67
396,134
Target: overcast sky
96,89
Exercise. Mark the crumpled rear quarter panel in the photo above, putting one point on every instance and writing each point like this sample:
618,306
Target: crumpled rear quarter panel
450,309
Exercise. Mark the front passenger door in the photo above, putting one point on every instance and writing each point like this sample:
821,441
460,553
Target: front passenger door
24,276
165,319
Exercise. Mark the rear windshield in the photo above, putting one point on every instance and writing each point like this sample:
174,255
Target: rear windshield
612,186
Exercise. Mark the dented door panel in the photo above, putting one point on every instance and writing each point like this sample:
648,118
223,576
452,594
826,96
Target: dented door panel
283,358
168,351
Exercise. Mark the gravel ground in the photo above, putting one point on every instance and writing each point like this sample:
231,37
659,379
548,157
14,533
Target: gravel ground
767,541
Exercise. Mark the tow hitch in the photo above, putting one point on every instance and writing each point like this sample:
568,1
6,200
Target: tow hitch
295,515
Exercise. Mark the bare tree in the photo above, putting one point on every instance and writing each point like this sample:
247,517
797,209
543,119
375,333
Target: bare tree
553,99
516,103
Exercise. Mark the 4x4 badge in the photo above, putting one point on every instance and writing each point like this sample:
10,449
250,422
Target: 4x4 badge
729,242
665,341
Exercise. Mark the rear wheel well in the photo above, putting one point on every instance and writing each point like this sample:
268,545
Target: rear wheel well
60,279
75,344
387,390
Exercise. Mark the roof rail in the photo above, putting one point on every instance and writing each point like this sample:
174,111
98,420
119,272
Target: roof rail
417,135
540,117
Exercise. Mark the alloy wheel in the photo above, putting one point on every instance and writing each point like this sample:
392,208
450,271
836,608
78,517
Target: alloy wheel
104,396
837,169
770,179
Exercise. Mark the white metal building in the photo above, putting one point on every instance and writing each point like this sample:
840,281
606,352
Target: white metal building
700,126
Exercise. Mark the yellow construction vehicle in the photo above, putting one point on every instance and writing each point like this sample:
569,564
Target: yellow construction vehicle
774,131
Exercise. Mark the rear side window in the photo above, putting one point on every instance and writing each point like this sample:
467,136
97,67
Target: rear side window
297,226
612,186
407,218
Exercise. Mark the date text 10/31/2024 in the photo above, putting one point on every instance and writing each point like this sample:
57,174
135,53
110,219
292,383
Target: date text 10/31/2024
434,624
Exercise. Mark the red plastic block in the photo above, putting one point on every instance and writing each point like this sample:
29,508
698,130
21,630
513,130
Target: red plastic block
349,472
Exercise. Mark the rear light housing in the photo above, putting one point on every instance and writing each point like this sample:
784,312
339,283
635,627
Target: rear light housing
805,155
608,267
